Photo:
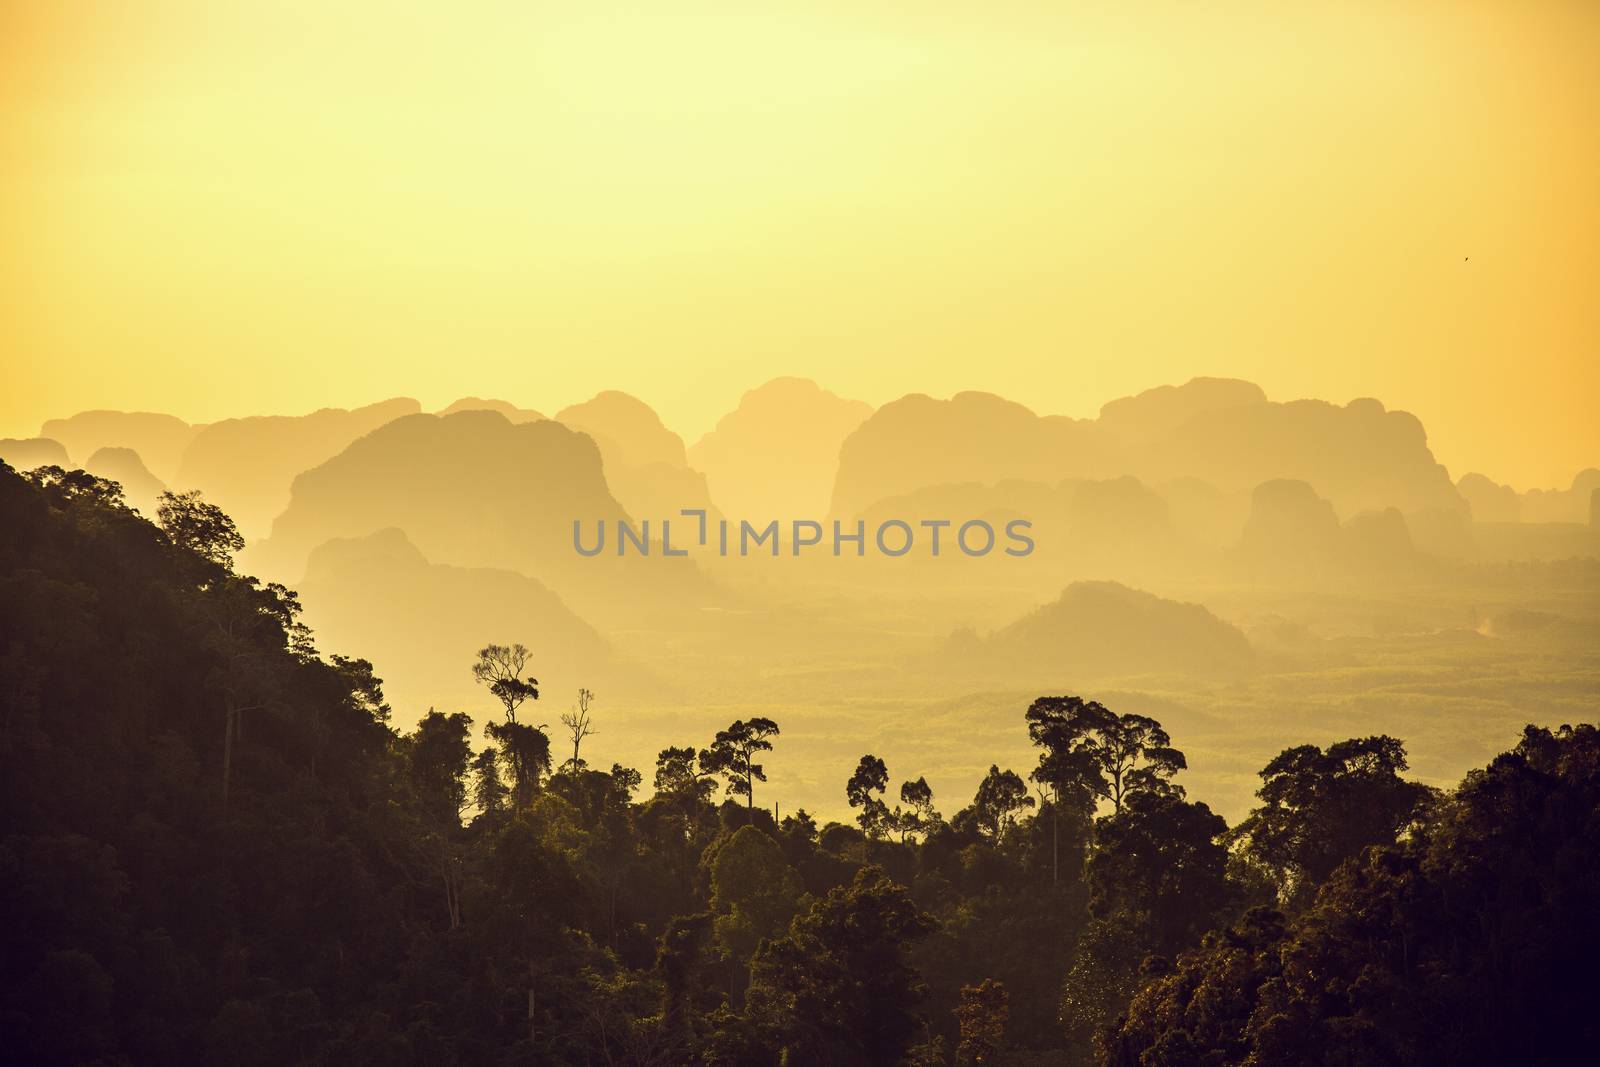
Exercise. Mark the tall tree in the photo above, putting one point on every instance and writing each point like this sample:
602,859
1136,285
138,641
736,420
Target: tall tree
1001,796
681,774
626,780
732,755
526,750
839,985
916,815
502,668
1160,862
1090,750
753,891
1068,771
202,528
488,789
1319,808
864,790
681,961
436,759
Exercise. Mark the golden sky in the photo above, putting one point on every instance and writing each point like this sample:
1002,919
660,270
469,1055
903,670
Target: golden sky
215,208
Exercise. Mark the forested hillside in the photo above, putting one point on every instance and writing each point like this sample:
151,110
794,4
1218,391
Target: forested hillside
215,849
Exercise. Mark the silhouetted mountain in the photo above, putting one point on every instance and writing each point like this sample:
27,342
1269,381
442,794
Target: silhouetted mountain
1293,535
1541,524
628,430
1379,544
26,453
1154,414
504,407
475,490
469,489
245,466
1224,433
122,465
1205,513
918,441
159,439
776,454
1118,511
1292,532
1562,505
379,596
1359,456
1101,629
645,464
1489,501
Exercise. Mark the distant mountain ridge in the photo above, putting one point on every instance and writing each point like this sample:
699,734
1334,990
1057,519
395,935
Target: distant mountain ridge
1492,502
140,488
1222,432
26,453
159,439
246,466
475,490
470,488
776,454
646,465
792,449
1103,629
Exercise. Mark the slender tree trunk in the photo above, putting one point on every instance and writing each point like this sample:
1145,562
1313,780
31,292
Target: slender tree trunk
533,1029
1055,844
230,717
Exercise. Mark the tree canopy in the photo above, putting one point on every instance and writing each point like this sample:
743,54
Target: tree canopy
217,846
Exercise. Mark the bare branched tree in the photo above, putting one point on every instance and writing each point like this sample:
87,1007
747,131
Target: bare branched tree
579,724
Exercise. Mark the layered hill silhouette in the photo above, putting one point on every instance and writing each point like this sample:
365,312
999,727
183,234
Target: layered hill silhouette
1492,502
1188,459
1360,456
1106,629
473,489
917,441
380,597
140,488
1150,417
159,439
470,489
121,465
646,466
245,466
26,453
1223,433
775,455
504,407
1294,535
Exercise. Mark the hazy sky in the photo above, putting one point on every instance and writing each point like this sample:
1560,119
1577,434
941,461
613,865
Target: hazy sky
214,209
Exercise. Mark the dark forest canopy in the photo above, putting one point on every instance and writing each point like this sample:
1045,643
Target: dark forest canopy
215,848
